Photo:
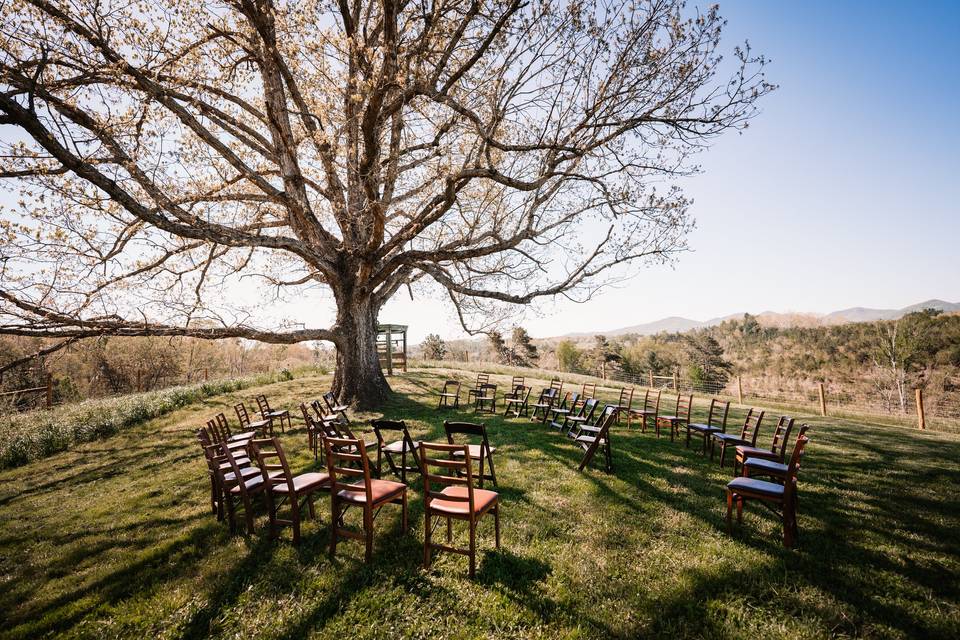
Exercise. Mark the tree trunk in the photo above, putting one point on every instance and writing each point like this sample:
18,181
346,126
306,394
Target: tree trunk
358,379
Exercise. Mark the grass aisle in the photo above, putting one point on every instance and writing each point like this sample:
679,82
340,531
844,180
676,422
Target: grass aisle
113,539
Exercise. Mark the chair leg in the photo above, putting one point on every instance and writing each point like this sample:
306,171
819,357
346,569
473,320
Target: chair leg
426,538
368,531
334,523
295,517
272,512
740,502
473,547
729,511
404,514
493,473
496,523
248,513
723,454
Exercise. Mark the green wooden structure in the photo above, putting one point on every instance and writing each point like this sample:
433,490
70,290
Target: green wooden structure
392,347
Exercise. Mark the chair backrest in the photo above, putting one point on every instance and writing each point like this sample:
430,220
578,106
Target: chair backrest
216,434
270,458
482,379
397,426
347,460
444,469
210,449
589,389
242,414
574,399
793,467
518,381
751,426
262,404
231,457
548,396
608,412
589,408
472,434
557,385
716,417
222,422
306,414
522,393
488,390
780,435
651,401
330,400
626,398
684,407
451,386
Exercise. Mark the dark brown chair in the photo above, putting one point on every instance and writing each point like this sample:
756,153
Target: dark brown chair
280,485
748,435
219,467
517,381
775,469
314,432
575,423
239,489
648,411
518,404
557,385
482,379
589,390
333,408
347,460
478,445
224,426
548,398
625,403
485,400
771,494
597,437
776,452
716,423
264,426
267,413
558,412
458,500
403,447
680,417
450,395
219,436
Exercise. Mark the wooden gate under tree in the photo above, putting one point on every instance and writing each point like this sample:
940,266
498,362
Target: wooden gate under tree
392,347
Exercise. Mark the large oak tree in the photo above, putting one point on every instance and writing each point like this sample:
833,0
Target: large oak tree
501,150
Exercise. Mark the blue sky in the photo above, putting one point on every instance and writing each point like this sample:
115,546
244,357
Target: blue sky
843,192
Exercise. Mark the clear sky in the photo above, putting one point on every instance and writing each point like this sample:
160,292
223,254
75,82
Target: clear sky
844,191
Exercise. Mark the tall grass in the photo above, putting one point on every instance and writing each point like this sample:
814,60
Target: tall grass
37,434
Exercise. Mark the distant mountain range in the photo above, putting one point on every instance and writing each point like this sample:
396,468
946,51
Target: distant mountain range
675,324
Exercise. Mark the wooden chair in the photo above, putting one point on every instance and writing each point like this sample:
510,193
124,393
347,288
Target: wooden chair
219,436
347,460
548,397
486,395
589,390
559,412
557,385
648,411
457,500
450,392
748,435
716,423
776,469
221,420
772,495
264,426
518,404
239,490
482,379
404,448
219,470
280,485
479,450
625,403
776,452
575,423
269,414
597,437
336,409
517,381
680,417
314,430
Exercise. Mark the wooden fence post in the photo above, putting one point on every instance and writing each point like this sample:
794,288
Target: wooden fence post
921,418
823,400
651,379
49,390
739,390
676,382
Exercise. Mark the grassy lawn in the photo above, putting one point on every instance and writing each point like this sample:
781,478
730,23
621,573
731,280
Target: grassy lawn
114,539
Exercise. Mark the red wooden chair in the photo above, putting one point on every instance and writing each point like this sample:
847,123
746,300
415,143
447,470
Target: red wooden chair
239,490
347,460
334,408
224,426
773,495
776,452
485,400
625,403
748,435
280,486
588,390
457,500
482,379
218,467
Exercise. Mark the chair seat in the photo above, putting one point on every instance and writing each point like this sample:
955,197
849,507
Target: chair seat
586,441
400,446
277,414
339,408
380,490
474,451
703,428
743,451
643,412
542,405
448,395
576,418
252,484
258,424
241,462
246,435
766,466
761,487
672,418
239,444
514,400
245,472
561,412
303,482
482,499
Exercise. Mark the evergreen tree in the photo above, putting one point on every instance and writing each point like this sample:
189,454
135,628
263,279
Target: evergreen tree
434,348
524,353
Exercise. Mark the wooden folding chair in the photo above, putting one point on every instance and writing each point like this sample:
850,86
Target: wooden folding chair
776,452
347,460
548,397
574,423
558,412
482,379
269,414
280,486
264,426
485,400
458,500
648,411
748,435
480,449
336,409
680,417
404,448
593,438
518,404
450,395
772,495
716,423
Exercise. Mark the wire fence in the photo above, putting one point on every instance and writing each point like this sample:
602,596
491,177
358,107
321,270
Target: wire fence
936,411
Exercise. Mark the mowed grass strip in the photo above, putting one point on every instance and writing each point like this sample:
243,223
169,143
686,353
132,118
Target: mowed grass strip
114,539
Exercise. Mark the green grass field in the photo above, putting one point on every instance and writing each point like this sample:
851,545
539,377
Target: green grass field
114,539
